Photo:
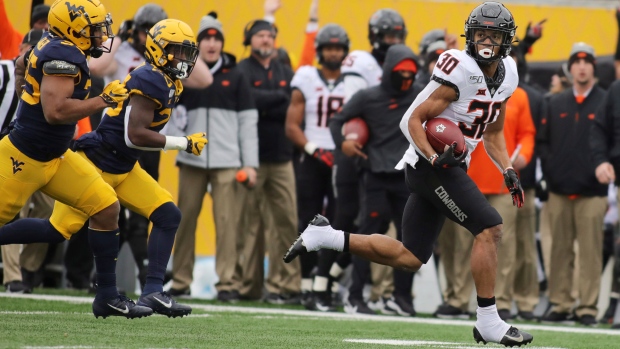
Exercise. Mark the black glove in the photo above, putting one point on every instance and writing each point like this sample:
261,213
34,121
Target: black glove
125,29
533,33
514,186
447,159
324,156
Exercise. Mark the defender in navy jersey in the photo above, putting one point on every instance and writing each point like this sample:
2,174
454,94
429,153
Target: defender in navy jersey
128,130
35,154
469,88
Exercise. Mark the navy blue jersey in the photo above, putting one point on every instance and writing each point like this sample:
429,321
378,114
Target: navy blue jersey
148,81
32,134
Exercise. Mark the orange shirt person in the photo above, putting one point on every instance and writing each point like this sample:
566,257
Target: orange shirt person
519,130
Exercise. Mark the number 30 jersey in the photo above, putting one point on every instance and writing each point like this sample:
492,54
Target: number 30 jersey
478,103
323,100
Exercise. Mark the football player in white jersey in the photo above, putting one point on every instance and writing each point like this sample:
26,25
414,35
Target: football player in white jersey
469,88
361,70
317,95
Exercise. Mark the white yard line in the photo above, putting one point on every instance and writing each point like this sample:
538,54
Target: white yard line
428,344
316,314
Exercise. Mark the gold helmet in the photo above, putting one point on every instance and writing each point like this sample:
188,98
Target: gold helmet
171,46
81,21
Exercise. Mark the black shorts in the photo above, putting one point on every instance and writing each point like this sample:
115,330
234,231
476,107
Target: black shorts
435,195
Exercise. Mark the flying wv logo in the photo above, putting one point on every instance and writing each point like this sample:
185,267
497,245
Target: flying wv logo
157,30
74,12
16,165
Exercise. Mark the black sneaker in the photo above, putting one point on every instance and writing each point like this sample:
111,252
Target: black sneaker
446,311
162,303
119,306
400,306
17,287
588,320
185,293
504,314
608,317
298,247
357,306
322,301
513,337
228,296
526,316
558,318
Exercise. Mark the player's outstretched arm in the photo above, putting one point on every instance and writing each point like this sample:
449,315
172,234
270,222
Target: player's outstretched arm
434,105
106,64
200,77
59,107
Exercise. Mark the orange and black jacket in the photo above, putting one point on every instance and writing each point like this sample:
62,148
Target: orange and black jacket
563,142
605,132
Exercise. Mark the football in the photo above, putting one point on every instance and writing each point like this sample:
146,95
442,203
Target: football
441,133
356,130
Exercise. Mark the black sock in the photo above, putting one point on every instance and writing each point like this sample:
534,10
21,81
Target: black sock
166,219
104,244
485,302
346,242
29,230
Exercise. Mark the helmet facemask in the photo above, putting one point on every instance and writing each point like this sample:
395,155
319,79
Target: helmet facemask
179,59
102,31
481,44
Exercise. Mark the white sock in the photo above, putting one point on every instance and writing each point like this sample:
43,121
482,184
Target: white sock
320,284
316,238
306,284
490,325
335,270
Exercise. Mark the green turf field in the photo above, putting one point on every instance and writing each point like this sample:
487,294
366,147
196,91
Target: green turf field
66,321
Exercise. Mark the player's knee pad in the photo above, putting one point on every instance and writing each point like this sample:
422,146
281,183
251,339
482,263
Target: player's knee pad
166,216
50,231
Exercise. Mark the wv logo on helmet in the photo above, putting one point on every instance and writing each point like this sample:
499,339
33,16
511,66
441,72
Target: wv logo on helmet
74,12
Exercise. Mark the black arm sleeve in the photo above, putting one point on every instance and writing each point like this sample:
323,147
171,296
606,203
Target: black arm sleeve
354,108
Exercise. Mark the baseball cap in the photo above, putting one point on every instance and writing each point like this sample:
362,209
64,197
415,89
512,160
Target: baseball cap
33,36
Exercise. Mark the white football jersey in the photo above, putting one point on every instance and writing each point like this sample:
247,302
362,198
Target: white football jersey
363,64
477,104
323,100
362,71
127,59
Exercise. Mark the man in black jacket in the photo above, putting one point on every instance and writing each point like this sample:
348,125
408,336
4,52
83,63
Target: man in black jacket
386,194
577,200
275,183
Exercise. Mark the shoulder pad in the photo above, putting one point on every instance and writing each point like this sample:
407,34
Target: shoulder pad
61,68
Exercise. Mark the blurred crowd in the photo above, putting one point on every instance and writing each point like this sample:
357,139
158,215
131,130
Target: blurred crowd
277,156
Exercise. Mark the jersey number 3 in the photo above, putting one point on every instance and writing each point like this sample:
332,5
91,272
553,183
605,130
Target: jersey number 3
490,111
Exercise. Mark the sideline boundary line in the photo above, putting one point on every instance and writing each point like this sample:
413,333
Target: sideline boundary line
339,316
